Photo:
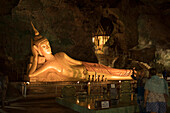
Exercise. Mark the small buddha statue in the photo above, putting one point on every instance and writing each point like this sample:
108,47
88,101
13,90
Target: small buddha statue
46,67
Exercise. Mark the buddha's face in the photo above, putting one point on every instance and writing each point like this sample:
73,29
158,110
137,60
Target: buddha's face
44,47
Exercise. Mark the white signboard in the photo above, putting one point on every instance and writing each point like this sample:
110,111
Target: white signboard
105,104
112,85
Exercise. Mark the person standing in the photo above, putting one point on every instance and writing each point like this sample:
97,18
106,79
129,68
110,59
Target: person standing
141,79
156,93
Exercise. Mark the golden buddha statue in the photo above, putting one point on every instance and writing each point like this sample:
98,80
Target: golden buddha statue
46,67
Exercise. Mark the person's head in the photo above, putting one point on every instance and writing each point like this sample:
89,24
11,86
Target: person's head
152,71
140,73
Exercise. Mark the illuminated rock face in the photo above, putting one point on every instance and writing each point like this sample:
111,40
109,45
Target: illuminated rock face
46,67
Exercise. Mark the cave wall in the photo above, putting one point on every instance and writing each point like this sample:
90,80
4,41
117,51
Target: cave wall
141,26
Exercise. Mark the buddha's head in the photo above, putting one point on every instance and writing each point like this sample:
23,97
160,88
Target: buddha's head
41,44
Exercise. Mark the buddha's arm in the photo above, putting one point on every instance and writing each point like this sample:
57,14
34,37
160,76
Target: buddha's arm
34,64
47,66
30,64
35,59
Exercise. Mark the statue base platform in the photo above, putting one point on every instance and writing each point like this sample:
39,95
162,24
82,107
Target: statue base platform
42,88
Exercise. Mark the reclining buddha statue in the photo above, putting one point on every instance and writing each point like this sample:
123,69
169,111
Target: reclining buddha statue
46,67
